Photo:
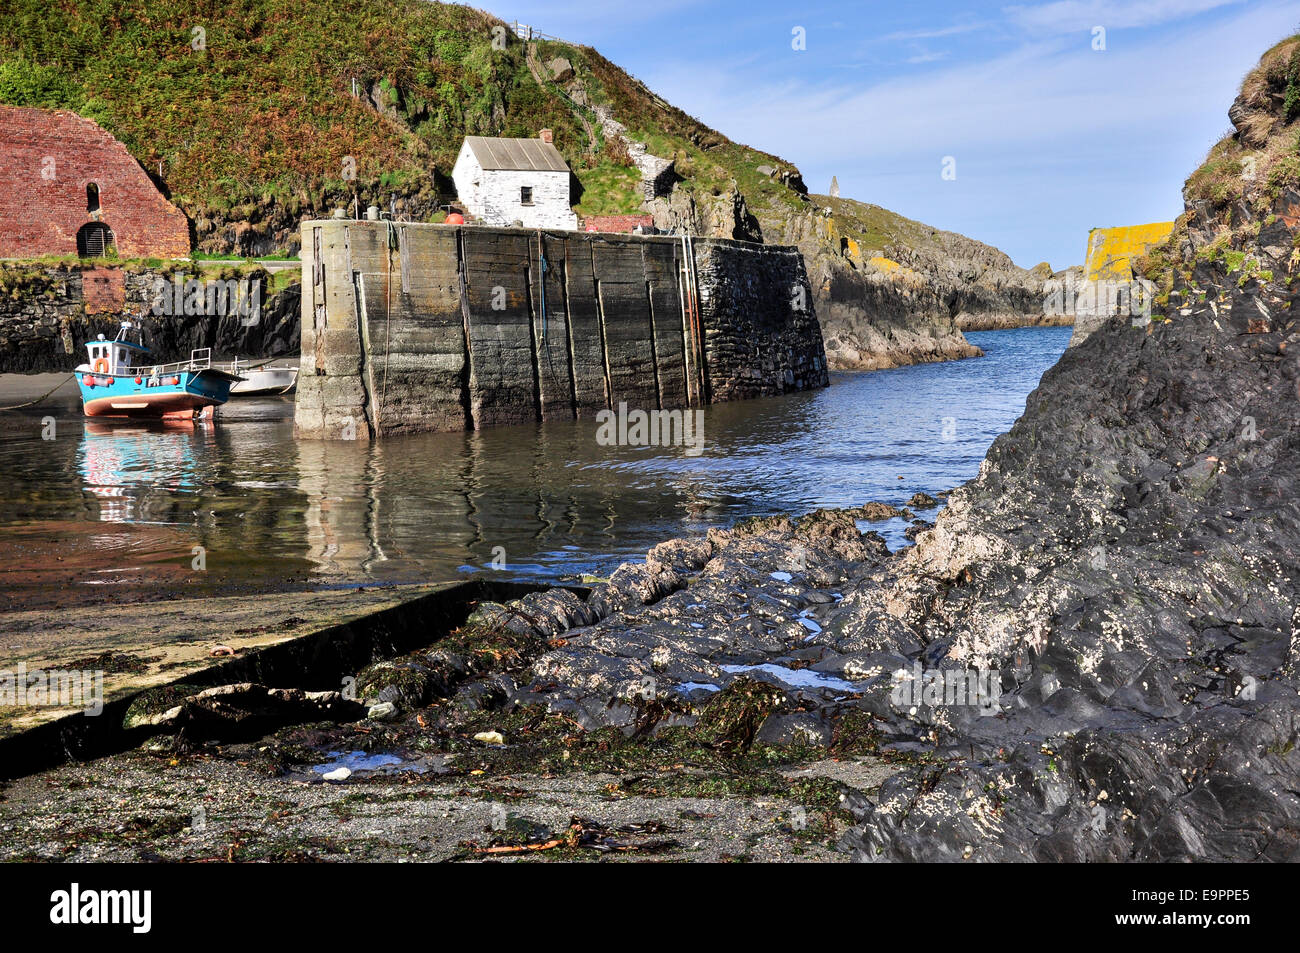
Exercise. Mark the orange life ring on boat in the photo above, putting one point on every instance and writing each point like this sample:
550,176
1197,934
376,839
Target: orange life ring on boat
101,365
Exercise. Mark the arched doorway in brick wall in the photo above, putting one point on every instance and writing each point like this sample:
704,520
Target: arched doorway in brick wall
94,239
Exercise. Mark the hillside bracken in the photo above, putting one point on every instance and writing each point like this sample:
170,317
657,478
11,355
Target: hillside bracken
263,111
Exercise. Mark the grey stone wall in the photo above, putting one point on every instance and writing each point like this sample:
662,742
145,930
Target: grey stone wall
410,327
44,323
761,335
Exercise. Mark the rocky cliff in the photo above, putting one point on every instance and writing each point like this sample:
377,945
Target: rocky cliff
48,313
1127,561
891,291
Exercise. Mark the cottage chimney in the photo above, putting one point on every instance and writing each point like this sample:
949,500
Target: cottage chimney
545,135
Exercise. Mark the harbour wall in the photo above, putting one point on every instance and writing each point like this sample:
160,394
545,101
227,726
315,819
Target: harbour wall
411,327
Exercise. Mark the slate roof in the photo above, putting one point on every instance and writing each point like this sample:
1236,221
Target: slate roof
516,154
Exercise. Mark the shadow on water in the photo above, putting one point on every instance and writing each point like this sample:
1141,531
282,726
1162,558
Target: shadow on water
128,503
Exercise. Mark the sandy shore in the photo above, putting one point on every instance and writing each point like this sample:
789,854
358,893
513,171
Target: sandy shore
17,388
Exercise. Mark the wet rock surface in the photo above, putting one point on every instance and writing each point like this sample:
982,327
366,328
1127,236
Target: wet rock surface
240,710
1126,564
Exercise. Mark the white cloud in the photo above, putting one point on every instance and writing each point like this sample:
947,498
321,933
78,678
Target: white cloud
933,34
1051,138
1067,16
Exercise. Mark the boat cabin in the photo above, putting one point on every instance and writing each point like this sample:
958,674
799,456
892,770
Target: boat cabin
117,356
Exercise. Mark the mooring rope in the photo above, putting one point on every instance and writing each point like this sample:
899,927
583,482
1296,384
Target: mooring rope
70,377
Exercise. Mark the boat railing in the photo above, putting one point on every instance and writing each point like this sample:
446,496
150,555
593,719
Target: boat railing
200,359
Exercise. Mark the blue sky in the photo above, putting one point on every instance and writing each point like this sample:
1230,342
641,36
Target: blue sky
1050,137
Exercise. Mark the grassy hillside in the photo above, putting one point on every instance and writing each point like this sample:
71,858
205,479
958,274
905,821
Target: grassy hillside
878,239
1230,199
261,115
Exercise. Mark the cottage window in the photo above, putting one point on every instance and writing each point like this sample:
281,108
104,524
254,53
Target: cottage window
92,197
525,195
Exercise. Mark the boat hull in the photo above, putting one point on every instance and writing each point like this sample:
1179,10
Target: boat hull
184,394
265,381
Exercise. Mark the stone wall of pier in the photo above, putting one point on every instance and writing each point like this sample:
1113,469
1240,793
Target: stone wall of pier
410,327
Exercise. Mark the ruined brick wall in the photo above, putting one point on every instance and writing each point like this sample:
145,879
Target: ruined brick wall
104,290
47,159
409,327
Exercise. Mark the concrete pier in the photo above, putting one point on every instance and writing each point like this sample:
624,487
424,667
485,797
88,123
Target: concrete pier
411,327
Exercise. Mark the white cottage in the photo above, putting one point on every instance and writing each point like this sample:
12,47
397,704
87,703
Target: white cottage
503,181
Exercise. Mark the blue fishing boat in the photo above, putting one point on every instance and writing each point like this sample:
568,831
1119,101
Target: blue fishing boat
118,381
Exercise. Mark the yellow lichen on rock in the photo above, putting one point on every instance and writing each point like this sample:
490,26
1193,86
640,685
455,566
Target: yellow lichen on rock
1111,251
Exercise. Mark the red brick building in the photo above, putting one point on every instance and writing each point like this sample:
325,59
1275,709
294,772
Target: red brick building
67,187
618,223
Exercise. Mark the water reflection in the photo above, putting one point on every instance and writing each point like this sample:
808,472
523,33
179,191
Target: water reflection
124,464
273,512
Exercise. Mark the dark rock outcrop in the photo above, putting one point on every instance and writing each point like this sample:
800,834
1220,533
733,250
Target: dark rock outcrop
1127,562
237,711
1120,583
890,291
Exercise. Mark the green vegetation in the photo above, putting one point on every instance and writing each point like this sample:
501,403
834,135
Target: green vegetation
30,84
609,189
878,231
1255,163
250,103
256,99
1219,177
1291,96
207,256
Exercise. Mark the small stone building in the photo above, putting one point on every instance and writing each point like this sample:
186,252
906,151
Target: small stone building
505,181
67,187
